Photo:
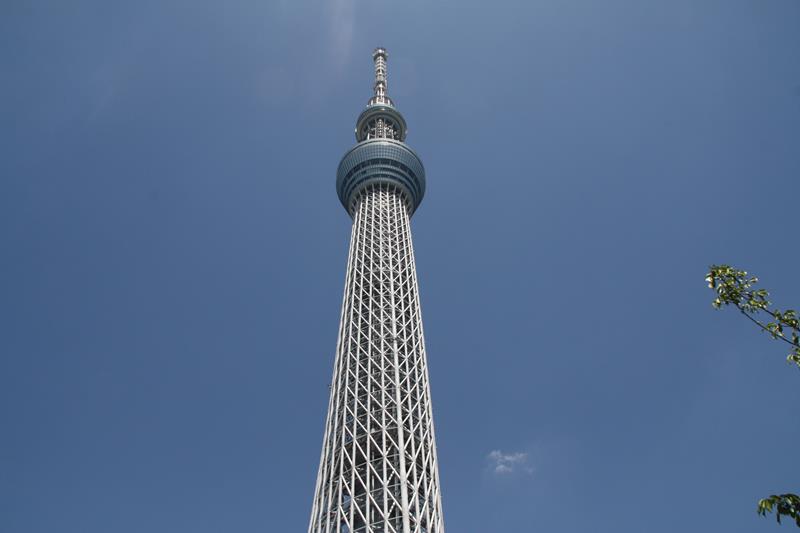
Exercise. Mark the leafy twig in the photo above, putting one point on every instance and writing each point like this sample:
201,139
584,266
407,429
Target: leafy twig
734,287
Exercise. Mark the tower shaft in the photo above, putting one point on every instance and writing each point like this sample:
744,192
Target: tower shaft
378,471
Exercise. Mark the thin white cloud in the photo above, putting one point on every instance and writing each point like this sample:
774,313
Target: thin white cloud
342,31
508,463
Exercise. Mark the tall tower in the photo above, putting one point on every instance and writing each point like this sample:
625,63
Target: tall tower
378,472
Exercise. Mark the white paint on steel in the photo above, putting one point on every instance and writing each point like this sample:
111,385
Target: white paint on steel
378,471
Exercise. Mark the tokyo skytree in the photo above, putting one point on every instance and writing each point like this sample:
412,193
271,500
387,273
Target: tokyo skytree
378,471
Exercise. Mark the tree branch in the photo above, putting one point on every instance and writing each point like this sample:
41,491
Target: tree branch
762,326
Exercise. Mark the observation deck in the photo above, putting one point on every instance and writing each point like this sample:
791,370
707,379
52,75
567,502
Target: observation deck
381,155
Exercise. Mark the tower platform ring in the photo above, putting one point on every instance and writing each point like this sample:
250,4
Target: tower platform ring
380,161
381,111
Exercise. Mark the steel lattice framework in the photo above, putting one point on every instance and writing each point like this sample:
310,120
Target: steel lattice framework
378,471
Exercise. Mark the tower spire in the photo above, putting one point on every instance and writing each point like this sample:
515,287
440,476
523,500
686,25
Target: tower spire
380,120
379,56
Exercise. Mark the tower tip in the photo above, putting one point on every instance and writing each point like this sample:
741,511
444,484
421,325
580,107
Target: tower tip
379,56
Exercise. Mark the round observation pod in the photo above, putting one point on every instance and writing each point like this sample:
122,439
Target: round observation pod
380,161
380,121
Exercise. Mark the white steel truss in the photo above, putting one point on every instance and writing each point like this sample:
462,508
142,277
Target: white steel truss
378,471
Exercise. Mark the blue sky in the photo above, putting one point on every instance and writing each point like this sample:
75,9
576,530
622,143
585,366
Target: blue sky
173,257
